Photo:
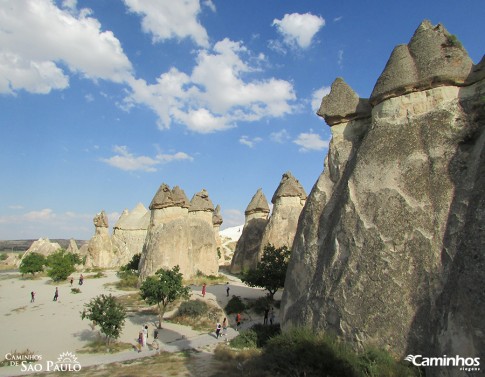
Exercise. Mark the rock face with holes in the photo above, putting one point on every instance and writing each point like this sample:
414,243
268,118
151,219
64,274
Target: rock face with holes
390,246
180,233
249,244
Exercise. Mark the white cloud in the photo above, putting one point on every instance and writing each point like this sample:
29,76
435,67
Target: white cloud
215,96
280,136
310,142
232,217
337,19
210,5
44,214
317,97
340,59
125,160
89,98
166,19
299,29
31,57
245,140
16,206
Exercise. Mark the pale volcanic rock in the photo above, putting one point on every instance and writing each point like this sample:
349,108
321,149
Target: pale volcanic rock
389,246
288,201
177,237
247,249
42,246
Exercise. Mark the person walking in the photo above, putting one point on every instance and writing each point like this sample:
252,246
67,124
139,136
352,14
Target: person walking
271,316
81,279
265,319
224,326
140,341
218,330
32,296
144,331
227,289
72,280
56,294
238,321
203,290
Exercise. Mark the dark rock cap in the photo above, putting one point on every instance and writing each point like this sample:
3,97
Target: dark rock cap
201,202
433,57
101,220
289,186
258,203
342,104
179,198
162,199
217,217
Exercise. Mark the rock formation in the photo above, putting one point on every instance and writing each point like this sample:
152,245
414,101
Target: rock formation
247,250
180,233
288,201
72,247
100,251
390,246
216,223
129,233
42,246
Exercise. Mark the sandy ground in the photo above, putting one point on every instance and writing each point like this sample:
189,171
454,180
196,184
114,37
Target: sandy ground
50,328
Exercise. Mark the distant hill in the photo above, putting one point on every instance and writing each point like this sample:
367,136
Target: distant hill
23,245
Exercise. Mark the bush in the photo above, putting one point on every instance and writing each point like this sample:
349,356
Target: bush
193,308
235,305
301,352
128,280
61,265
75,290
3,256
32,263
246,339
257,336
260,304
132,266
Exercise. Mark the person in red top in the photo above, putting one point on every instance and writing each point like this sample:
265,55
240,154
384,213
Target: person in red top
238,321
203,290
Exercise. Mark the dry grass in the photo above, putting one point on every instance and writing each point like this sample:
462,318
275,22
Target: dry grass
100,346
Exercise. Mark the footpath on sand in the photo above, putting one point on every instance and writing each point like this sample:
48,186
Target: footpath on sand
60,330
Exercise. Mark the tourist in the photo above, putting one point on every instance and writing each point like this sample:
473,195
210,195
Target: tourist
56,294
218,330
265,319
144,331
140,341
271,316
203,290
32,296
224,326
227,289
238,321
81,279
72,280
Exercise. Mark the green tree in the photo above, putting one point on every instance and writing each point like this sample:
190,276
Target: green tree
132,266
32,263
60,265
107,313
270,273
163,288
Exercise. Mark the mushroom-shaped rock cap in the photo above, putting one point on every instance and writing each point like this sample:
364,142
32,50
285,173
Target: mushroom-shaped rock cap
101,220
289,186
433,57
179,198
162,199
216,216
201,202
342,104
258,203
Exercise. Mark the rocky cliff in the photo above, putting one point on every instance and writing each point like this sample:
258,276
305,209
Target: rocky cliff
390,245
288,201
246,254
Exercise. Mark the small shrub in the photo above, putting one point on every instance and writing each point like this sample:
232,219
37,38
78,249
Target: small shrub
3,256
235,305
97,275
75,290
128,280
246,339
193,308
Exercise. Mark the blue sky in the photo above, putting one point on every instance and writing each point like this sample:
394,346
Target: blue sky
102,101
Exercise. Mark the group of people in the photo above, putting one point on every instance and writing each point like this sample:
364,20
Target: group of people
143,338
56,293
268,313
